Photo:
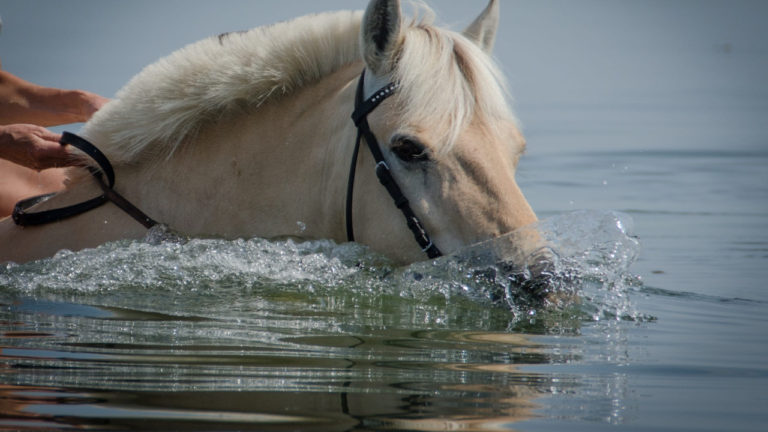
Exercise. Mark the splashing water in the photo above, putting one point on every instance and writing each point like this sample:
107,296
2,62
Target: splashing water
584,263
589,255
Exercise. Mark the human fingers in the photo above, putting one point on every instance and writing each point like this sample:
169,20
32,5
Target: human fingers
49,153
48,135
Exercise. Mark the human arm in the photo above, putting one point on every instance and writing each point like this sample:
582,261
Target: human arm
25,102
33,146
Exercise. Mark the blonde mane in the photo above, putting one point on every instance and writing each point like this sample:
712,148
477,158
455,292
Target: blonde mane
437,69
201,84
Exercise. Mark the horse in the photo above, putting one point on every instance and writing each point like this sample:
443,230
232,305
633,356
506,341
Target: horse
248,134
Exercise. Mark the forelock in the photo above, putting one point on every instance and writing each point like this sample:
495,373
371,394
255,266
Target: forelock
446,82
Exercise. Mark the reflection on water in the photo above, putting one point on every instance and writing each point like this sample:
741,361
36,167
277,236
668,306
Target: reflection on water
398,378
211,334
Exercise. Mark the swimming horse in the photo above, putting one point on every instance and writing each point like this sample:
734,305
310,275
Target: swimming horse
249,134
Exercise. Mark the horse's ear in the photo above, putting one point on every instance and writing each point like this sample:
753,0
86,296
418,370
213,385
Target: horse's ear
483,30
380,35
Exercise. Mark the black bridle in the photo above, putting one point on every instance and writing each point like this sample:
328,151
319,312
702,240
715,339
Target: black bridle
360,117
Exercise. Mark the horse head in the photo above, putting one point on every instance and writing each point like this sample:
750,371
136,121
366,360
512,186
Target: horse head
447,133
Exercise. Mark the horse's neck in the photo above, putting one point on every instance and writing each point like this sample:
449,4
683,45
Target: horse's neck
279,171
100,225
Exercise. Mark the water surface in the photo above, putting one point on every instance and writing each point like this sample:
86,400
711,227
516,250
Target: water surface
250,333
649,114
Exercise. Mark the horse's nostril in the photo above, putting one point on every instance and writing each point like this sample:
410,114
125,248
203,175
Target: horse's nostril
514,274
535,279
539,282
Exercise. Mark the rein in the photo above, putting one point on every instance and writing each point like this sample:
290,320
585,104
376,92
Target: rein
360,117
23,218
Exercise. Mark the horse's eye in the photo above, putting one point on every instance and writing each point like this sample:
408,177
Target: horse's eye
409,150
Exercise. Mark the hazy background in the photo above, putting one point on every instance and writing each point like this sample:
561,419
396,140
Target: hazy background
569,62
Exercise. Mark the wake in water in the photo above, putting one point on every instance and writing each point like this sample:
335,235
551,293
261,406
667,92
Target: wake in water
587,274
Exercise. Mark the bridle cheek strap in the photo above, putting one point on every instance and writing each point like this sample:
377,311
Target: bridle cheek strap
384,174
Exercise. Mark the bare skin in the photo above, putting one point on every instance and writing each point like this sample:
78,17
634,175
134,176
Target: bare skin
24,102
26,149
32,146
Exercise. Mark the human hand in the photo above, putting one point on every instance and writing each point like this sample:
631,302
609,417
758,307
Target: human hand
34,147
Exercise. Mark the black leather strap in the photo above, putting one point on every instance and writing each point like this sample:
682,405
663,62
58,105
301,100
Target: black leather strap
126,206
86,147
22,218
360,117
351,189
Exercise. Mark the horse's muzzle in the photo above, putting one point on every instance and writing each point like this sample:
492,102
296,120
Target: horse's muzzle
536,280
530,282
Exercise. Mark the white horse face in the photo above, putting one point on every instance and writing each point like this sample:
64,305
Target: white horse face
456,163
463,196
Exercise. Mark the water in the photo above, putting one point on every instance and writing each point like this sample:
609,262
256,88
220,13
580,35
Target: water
315,334
660,133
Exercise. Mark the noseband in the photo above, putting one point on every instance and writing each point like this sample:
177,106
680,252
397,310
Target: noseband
360,117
